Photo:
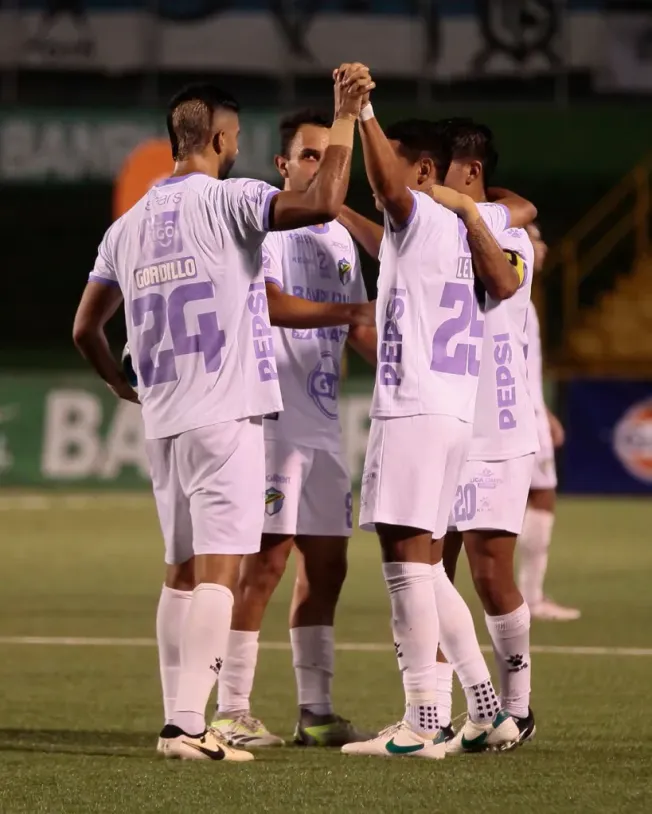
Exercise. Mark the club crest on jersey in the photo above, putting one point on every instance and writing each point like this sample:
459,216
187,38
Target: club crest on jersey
323,385
344,269
274,500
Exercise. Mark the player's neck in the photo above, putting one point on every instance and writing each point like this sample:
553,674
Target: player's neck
477,193
195,163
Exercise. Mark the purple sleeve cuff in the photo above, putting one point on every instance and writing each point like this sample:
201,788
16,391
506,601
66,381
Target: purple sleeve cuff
96,278
268,201
274,281
508,217
403,226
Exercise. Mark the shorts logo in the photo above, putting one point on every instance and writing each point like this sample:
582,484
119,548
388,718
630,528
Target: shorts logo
632,441
323,385
344,269
274,500
486,479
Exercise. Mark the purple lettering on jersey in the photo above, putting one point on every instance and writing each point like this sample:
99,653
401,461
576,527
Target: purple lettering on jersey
261,332
160,234
209,341
465,357
323,384
505,382
319,294
164,369
391,345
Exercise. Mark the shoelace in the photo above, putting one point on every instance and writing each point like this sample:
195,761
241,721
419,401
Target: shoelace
392,729
248,722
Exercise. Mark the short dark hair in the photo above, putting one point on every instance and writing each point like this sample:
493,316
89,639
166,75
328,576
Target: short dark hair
190,117
419,138
290,124
465,138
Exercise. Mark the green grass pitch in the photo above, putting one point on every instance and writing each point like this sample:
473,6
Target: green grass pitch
78,724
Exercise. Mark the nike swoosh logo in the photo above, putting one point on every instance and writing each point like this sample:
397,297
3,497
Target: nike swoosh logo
395,749
217,754
474,743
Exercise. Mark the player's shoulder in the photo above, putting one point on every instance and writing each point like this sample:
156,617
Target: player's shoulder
426,208
517,236
340,237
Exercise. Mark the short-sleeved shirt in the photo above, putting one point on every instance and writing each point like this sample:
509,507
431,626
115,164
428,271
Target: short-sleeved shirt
187,258
430,327
318,263
504,425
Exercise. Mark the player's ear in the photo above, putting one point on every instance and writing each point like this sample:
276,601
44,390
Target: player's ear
219,141
427,170
281,165
473,172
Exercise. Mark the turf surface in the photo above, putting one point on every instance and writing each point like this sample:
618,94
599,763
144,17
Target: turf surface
78,724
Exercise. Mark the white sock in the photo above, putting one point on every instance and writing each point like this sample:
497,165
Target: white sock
459,644
203,648
444,693
171,615
237,673
533,545
416,633
313,659
510,635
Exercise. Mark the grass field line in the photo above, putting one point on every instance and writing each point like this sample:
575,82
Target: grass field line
348,647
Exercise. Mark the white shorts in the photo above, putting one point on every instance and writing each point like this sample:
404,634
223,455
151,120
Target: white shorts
544,474
209,485
308,491
411,471
492,495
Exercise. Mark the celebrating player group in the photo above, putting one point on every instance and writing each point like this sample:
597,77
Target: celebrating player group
239,300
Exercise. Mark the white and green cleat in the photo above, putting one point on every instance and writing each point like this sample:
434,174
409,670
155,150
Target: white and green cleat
243,729
400,740
473,737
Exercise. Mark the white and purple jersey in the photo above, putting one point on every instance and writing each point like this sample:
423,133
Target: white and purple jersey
318,263
187,260
430,327
535,380
504,425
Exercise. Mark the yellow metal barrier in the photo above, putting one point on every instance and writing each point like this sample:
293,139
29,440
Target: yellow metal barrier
607,229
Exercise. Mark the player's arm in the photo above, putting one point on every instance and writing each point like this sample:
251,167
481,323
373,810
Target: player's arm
324,198
288,311
557,432
367,233
98,304
500,278
364,341
383,173
521,211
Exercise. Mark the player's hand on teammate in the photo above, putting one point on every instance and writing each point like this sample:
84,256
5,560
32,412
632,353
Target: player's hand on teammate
353,83
557,431
463,205
364,315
